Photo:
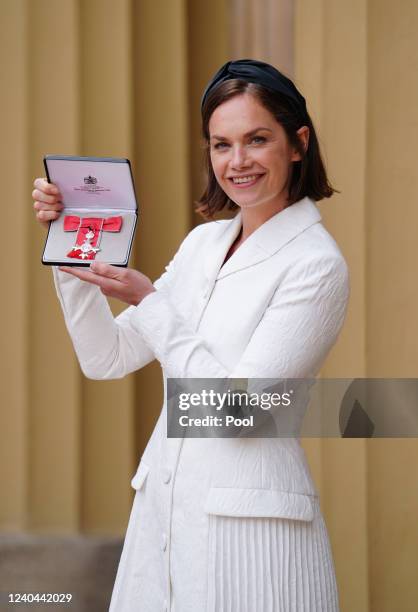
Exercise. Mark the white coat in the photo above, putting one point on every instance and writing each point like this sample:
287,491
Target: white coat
224,524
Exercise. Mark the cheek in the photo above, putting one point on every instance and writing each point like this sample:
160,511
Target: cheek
218,167
278,163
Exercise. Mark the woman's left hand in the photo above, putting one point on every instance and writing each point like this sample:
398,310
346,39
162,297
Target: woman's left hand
125,284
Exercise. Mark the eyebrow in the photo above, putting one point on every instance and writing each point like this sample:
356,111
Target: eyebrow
246,135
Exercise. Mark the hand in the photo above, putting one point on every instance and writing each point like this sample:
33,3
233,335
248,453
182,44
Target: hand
47,201
125,284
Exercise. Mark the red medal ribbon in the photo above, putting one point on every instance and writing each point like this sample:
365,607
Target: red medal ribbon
84,225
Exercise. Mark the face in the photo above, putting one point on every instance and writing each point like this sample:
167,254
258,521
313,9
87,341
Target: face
250,153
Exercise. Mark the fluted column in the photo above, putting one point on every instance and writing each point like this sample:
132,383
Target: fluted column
263,30
15,295
331,68
392,290
53,418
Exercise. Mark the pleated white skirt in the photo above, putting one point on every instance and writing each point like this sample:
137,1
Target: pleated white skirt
269,565
229,564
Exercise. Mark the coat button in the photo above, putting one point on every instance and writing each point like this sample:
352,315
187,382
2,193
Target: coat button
166,472
163,542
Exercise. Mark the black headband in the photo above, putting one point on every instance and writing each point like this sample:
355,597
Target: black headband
263,74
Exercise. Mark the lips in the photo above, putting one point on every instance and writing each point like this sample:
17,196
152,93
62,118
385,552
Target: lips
246,180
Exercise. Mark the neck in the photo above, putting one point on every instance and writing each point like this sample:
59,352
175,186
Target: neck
254,217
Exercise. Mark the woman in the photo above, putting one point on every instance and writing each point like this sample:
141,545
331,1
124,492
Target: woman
225,524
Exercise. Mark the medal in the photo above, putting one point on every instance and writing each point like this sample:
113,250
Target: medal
89,232
86,249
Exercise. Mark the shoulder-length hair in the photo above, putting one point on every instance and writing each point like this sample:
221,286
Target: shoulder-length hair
309,177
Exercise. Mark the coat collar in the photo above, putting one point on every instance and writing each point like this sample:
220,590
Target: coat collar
263,243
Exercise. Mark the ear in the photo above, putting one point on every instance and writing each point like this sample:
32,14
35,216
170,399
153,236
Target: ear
303,135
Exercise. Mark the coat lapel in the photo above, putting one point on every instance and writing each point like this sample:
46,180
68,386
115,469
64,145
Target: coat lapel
223,239
263,243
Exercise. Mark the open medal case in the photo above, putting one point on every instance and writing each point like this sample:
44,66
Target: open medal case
100,211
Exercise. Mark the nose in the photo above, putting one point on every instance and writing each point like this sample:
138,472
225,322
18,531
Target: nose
239,157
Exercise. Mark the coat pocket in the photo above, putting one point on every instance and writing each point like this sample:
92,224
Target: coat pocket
260,503
140,477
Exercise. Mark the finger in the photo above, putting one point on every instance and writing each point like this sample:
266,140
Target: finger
108,271
47,215
89,277
43,206
82,274
43,185
38,194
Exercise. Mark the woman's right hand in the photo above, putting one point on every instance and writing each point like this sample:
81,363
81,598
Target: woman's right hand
47,201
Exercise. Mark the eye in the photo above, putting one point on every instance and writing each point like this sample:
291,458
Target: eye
220,145
258,139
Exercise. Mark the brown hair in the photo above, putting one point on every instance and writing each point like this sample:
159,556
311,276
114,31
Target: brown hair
309,177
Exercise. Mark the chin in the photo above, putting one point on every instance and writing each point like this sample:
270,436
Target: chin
249,203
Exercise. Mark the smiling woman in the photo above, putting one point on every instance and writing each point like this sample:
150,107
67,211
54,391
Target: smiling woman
226,524
252,167
280,148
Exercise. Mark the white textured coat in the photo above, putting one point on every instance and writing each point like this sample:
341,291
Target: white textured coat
224,524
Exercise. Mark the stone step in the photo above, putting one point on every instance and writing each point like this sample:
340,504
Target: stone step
83,566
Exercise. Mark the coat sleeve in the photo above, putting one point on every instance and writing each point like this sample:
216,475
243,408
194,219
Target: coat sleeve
107,347
292,339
